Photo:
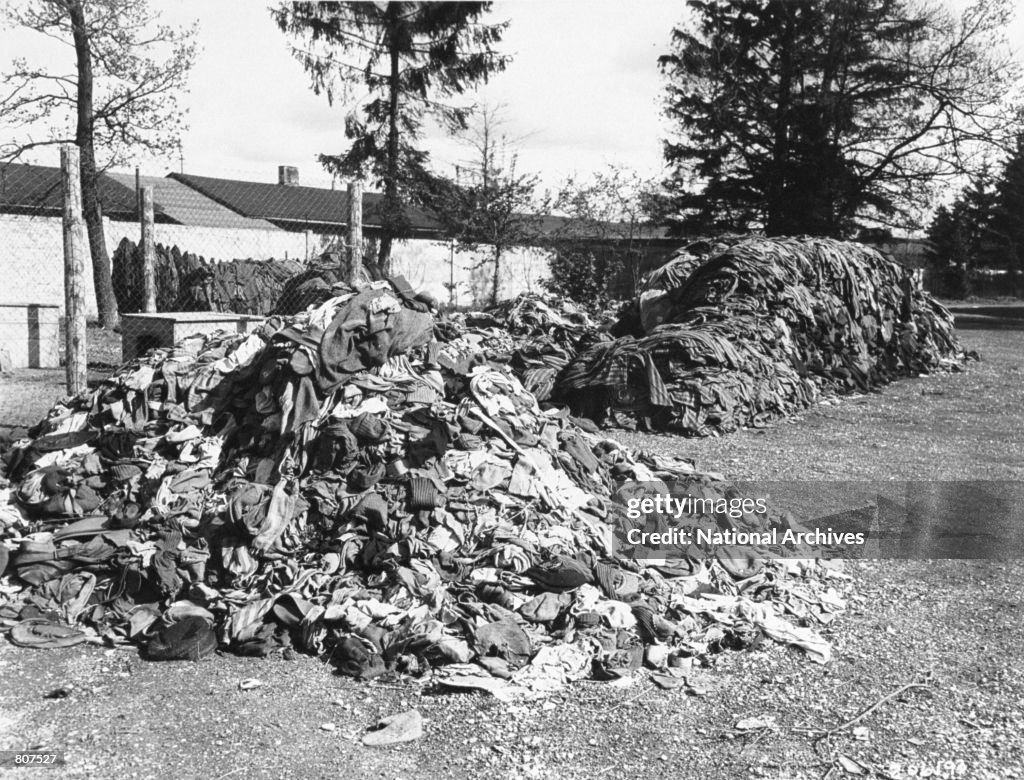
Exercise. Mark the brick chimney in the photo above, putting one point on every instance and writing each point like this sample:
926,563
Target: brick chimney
287,175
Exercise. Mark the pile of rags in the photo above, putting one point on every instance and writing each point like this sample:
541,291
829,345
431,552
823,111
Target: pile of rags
189,282
758,329
325,484
536,336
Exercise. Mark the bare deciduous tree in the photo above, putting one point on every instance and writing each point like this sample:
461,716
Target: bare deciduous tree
116,95
491,204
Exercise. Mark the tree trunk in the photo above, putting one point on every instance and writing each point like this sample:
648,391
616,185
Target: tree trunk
391,203
75,345
106,303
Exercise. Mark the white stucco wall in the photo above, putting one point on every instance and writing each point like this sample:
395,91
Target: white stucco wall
429,266
32,261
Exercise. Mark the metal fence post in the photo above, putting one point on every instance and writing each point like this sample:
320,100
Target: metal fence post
75,357
148,253
355,230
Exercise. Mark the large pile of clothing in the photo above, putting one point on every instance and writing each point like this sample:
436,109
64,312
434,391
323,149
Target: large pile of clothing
342,483
754,329
536,336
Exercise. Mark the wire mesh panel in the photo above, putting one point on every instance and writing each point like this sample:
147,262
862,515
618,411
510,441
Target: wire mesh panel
225,246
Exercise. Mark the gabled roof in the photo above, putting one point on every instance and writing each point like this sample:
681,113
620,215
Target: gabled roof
295,206
36,190
188,206
553,226
205,201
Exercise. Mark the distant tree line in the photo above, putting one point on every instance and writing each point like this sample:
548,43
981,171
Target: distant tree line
982,233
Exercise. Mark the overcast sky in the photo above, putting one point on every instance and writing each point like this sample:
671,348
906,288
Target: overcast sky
583,89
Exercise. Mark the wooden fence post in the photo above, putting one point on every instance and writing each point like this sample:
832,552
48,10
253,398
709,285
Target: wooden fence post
453,298
76,360
355,230
148,247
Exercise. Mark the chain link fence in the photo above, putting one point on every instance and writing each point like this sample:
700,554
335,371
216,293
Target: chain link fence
228,251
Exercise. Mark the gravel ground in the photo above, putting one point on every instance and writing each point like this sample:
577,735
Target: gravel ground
953,627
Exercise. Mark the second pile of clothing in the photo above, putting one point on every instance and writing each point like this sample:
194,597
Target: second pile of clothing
759,330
